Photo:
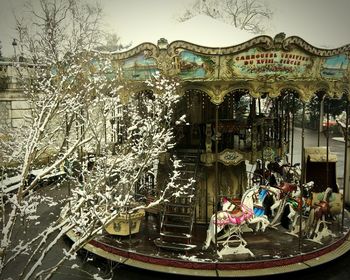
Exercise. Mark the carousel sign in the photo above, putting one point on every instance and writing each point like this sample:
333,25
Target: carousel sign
256,62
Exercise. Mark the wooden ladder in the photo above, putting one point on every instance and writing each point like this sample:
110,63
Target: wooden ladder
178,214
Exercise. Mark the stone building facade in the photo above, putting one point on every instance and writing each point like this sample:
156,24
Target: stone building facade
14,106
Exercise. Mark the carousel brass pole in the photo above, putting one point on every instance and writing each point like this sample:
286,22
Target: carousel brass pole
345,176
320,120
216,170
292,141
287,127
276,124
327,146
302,179
262,141
281,130
303,146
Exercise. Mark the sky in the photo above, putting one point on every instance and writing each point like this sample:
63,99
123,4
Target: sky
323,23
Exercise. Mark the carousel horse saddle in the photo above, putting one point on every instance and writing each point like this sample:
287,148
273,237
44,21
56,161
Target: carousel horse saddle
287,187
324,206
240,215
297,203
259,210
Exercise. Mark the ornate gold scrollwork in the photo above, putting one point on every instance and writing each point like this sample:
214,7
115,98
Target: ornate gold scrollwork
230,157
208,142
336,90
293,41
269,154
227,157
226,77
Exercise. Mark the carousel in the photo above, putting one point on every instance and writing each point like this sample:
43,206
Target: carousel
262,202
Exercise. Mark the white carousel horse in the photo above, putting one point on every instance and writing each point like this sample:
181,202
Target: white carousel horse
235,217
282,181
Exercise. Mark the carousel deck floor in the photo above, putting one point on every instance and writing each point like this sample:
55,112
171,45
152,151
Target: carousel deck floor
274,251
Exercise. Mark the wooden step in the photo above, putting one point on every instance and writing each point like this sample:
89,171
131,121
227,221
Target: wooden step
173,245
172,213
181,198
172,204
176,225
188,171
177,221
182,180
178,215
176,235
188,151
187,165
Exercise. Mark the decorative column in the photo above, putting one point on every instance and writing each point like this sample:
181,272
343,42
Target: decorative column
346,190
302,180
327,145
254,131
320,121
292,140
216,200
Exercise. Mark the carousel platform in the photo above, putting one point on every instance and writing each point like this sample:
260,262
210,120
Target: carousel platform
275,251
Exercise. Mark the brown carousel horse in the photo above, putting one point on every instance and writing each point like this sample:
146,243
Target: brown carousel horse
297,205
316,226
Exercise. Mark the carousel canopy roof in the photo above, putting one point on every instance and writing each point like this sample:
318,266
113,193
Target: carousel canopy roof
260,65
207,31
221,62
201,29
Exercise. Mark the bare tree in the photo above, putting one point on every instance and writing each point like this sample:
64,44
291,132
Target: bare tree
107,190
53,37
112,43
52,94
250,15
110,188
74,94
57,27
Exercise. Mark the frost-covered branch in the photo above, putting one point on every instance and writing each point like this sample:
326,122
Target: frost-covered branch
58,27
250,15
108,189
77,112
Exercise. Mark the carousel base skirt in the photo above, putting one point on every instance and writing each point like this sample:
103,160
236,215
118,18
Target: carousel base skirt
274,250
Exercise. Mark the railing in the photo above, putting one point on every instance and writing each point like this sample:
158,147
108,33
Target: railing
239,135
14,75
